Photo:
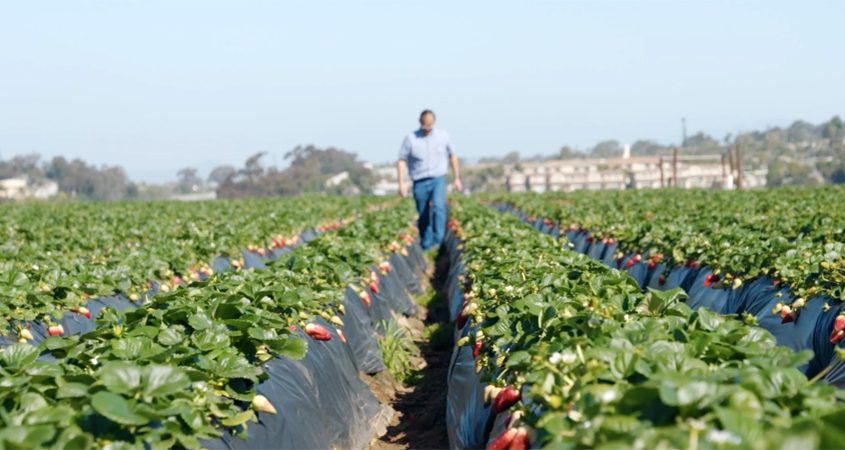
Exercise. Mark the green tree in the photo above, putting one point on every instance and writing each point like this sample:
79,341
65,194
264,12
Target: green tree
606,149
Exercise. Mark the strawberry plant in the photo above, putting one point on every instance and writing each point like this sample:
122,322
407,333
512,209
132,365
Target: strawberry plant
793,236
55,257
577,355
183,366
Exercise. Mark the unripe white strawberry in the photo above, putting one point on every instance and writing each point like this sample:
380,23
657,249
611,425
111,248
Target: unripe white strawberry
261,404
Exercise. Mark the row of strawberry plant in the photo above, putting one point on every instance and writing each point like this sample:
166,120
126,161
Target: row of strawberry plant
184,366
56,256
794,236
578,356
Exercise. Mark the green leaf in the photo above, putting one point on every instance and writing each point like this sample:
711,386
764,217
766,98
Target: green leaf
262,334
115,408
199,321
45,369
292,347
211,338
171,335
192,418
518,357
129,348
161,381
121,377
18,356
238,419
27,436
72,390
58,343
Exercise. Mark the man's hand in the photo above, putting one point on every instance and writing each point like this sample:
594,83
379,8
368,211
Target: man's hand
400,172
458,186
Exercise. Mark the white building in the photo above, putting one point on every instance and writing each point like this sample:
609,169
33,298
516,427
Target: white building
20,188
335,180
387,183
13,188
626,172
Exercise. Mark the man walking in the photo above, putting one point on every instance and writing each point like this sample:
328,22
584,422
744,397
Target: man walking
427,152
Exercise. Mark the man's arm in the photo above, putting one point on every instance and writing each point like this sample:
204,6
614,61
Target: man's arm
400,172
456,170
402,165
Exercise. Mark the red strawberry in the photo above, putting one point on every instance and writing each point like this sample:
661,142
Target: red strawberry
384,266
839,323
589,239
373,287
630,263
340,335
692,264
82,310
261,252
787,314
504,440
476,349
365,298
651,265
520,441
836,336
177,280
292,328
661,280
461,320
55,330
507,397
710,279
318,332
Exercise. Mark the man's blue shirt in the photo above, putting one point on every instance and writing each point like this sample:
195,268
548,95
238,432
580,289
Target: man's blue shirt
427,156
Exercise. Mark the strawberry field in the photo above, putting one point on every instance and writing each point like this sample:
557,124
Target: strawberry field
661,319
201,325
664,319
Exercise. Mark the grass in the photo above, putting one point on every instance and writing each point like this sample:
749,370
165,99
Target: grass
397,351
431,299
439,336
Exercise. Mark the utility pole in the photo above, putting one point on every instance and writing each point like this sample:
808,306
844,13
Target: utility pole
675,167
738,167
661,172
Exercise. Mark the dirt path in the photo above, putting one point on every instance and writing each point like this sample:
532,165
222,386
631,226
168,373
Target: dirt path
420,421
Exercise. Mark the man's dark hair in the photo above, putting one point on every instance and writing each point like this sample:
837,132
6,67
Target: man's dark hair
427,112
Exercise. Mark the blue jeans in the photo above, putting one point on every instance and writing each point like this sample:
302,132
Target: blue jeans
430,197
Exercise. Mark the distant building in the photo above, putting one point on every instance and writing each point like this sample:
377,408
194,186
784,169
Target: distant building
14,188
335,180
195,196
21,188
387,183
626,172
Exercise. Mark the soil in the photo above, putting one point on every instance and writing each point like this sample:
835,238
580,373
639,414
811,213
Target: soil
420,418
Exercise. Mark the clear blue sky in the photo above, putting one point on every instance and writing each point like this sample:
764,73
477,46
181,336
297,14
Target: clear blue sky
159,85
